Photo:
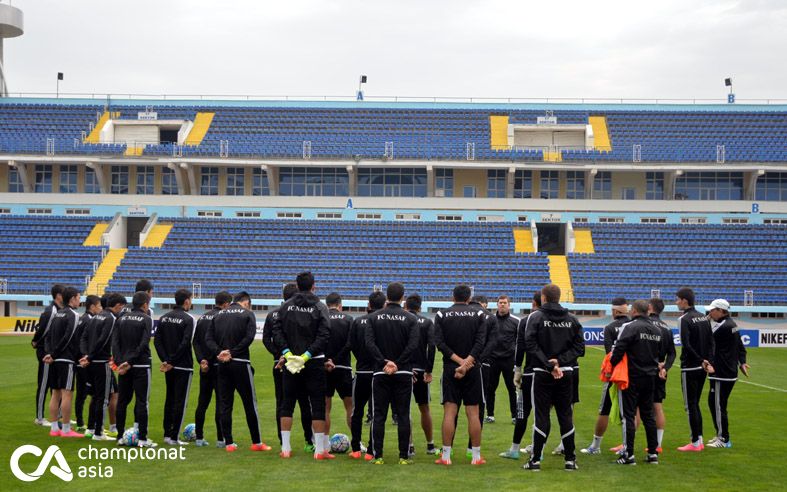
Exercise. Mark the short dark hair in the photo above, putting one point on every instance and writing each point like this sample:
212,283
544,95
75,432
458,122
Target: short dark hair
657,304
394,292
376,300
686,294
305,281
68,294
480,299
57,289
222,298
537,298
241,296
181,296
413,302
289,290
640,306
503,296
551,293
103,300
143,285
91,301
333,299
140,299
619,301
462,293
114,299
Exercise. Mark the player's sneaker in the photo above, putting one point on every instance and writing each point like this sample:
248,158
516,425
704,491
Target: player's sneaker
221,444
441,461
54,433
691,447
231,448
431,450
527,449
490,419
175,442
70,433
102,437
617,449
532,466
308,448
571,466
405,461
719,443
260,447
42,422
200,443
357,455
147,443
590,450
324,456
558,451
626,460
285,455
510,455
111,433
652,459
378,461
411,452
479,461
81,429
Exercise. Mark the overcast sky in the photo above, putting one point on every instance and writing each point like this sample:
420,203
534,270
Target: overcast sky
492,48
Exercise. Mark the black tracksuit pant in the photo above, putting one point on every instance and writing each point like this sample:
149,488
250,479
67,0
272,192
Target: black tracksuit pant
83,389
717,402
100,376
362,393
497,368
693,382
42,389
238,376
208,385
524,404
639,395
134,384
396,391
548,392
178,385
303,404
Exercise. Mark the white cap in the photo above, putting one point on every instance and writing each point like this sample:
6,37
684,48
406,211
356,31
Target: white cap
719,304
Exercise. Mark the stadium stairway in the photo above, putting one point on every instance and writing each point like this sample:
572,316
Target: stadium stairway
95,134
523,241
201,126
94,238
553,156
583,241
134,150
560,276
157,236
600,133
498,132
106,270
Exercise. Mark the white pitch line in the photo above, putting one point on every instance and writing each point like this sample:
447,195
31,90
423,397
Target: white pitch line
763,386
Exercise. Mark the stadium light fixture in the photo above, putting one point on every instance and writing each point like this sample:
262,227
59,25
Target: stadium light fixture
59,78
731,95
359,94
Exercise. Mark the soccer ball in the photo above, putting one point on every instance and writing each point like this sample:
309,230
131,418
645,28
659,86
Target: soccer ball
131,437
190,432
340,443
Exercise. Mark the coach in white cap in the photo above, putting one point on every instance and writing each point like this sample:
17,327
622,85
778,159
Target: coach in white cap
729,355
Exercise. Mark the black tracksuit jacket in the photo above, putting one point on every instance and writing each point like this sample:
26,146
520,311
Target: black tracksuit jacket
173,338
131,339
232,329
696,339
554,333
392,336
641,340
461,330
303,325
96,341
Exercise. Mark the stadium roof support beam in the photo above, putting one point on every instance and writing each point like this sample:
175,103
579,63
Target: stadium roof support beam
351,173
750,184
590,178
510,176
272,172
194,189
101,176
179,179
669,183
429,180
24,175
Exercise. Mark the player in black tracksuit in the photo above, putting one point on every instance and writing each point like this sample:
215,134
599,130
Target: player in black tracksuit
339,371
392,338
131,352
364,369
96,349
553,338
42,328
61,345
229,337
302,331
696,358
278,368
460,335
730,354
173,339
641,341
423,365
655,308
84,387
498,356
208,372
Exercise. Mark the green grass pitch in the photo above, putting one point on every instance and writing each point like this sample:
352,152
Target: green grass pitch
758,413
